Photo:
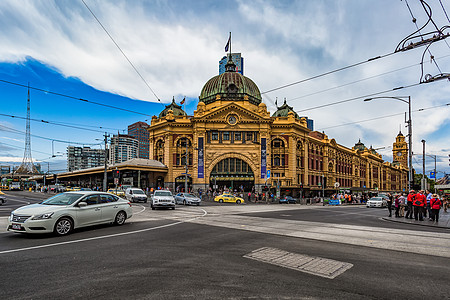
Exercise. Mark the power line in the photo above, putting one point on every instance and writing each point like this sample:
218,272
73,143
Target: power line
118,47
17,147
72,97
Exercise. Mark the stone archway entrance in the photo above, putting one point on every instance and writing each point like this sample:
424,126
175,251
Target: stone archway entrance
232,174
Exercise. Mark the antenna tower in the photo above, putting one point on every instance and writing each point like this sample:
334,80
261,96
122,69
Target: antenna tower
27,166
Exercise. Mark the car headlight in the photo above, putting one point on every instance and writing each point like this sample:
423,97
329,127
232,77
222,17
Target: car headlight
43,216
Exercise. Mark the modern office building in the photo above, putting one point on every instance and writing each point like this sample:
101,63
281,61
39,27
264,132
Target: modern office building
139,131
123,147
80,158
233,142
238,61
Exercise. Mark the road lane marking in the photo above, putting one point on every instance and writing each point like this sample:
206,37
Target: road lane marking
318,266
143,208
103,236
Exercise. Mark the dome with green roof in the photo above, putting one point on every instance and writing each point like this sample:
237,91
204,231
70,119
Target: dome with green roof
283,110
230,84
177,110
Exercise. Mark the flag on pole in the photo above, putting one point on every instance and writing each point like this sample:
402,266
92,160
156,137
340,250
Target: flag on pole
182,101
228,44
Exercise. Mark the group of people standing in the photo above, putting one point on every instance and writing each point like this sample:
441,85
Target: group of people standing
416,205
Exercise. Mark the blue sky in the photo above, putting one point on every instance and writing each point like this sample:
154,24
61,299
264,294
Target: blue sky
176,46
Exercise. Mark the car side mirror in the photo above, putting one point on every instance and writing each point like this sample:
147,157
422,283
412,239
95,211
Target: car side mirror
82,204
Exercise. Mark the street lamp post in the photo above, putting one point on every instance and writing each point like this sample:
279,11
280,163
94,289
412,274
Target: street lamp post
410,172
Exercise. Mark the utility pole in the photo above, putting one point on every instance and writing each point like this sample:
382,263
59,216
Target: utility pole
105,174
423,186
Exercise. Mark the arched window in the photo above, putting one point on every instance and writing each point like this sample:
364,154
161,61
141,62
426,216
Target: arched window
159,151
181,152
300,155
278,154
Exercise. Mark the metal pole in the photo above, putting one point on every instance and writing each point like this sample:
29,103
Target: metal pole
423,185
323,190
411,179
105,178
435,175
186,168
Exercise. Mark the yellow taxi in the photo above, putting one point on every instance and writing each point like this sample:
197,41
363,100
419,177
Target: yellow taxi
117,192
229,198
73,189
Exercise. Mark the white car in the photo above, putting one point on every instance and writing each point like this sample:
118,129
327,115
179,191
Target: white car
162,198
135,195
376,202
187,199
64,212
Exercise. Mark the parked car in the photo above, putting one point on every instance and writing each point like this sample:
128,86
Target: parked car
376,202
135,195
288,199
64,212
2,198
187,199
228,198
162,198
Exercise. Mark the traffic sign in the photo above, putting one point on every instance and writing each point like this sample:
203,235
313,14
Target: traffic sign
268,174
432,175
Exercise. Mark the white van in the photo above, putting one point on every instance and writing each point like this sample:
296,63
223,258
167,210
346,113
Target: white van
135,195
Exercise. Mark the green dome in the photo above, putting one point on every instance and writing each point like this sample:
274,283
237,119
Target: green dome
283,111
231,85
177,110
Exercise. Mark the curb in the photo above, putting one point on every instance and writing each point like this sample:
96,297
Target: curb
413,223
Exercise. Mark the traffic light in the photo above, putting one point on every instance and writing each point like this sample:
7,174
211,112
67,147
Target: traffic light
265,188
116,173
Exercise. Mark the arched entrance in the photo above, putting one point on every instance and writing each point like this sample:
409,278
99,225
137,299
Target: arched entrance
232,174
180,183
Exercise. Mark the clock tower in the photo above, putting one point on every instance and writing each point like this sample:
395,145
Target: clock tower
400,150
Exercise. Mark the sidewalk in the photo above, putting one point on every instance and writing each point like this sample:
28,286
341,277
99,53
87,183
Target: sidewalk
444,220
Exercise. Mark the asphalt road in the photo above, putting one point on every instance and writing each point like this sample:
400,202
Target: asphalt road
193,253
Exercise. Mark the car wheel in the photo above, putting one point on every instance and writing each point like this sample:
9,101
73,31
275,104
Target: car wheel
220,200
63,226
198,204
173,208
153,208
145,201
120,218
184,202
238,201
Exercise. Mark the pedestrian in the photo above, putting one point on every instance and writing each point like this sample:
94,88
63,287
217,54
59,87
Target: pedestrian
409,204
436,205
397,205
427,208
402,205
419,204
389,204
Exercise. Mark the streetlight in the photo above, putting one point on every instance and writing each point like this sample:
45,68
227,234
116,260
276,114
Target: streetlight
410,174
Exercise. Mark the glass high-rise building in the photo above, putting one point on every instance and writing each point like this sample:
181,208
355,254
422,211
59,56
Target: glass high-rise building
123,147
139,131
238,61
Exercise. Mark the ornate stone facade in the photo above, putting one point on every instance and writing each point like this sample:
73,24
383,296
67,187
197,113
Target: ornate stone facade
231,140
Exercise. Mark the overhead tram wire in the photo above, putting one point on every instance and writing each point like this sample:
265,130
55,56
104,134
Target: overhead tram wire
16,131
359,97
445,12
123,53
53,123
360,80
21,148
75,98
328,73
383,117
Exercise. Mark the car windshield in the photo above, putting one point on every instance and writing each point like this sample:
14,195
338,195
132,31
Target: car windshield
63,199
189,196
376,199
163,193
137,192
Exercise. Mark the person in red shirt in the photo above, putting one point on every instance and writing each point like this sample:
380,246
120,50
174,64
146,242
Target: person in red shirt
419,203
435,204
409,204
